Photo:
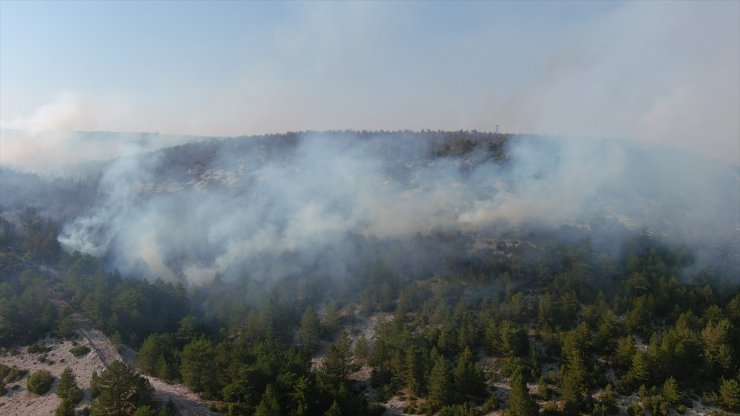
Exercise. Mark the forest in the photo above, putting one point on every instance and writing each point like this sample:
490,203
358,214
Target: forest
450,323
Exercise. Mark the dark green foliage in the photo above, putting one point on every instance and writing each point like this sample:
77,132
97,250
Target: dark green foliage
198,365
334,410
39,241
440,385
65,408
11,374
607,402
269,405
469,379
638,373
189,329
331,318
671,393
157,357
39,348
338,359
718,354
121,390
543,390
520,402
79,350
573,382
40,381
624,352
655,402
66,328
132,308
310,330
168,409
67,388
414,378
26,313
729,394
459,410
94,384
145,411
568,305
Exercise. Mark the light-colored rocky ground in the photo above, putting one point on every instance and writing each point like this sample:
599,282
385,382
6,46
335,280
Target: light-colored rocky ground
22,402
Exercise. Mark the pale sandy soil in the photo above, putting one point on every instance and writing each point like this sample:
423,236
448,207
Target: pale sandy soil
186,402
21,402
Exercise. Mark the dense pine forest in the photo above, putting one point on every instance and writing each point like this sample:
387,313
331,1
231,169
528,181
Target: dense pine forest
600,320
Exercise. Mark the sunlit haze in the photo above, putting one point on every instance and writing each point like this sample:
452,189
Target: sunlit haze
657,72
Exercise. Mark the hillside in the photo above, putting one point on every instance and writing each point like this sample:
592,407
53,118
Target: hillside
404,272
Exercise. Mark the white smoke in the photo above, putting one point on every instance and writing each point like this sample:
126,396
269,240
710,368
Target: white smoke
246,212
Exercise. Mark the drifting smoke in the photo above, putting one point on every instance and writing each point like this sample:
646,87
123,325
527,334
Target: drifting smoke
269,208
54,139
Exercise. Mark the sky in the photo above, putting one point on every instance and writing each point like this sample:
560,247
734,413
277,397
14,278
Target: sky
654,72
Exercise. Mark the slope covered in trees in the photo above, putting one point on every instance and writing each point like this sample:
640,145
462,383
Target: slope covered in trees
578,319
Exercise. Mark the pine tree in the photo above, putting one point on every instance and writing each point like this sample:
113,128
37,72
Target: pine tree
338,358
310,329
520,402
625,351
121,387
269,405
146,359
412,371
638,373
542,390
729,393
197,365
439,385
718,359
94,384
670,391
67,387
334,410
301,397
469,379
66,408
573,379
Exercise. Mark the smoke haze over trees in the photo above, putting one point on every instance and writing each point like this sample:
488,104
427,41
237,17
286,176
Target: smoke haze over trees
323,199
337,219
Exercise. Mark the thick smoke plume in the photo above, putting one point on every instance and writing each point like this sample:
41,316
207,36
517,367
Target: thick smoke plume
275,207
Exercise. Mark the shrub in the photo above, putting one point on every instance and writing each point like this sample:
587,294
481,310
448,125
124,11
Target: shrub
40,381
39,348
15,375
67,388
79,350
66,408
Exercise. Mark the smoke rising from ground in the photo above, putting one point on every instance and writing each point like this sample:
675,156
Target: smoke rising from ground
275,210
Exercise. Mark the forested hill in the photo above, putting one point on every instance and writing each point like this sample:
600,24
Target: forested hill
434,272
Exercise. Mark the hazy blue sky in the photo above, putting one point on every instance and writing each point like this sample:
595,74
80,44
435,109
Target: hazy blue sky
662,72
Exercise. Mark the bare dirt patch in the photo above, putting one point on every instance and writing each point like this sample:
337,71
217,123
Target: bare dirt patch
22,402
